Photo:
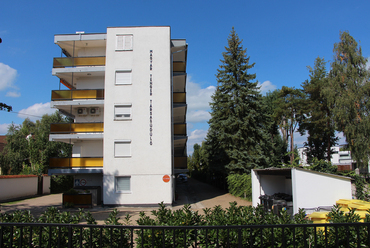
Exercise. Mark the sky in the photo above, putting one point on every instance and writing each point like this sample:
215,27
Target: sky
282,38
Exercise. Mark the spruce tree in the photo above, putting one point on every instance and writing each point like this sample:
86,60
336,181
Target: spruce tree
319,118
236,138
348,92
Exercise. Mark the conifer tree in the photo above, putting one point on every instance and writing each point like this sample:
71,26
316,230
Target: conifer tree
319,118
236,138
348,92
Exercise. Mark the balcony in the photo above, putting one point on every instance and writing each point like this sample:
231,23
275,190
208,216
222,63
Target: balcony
64,62
181,162
79,162
63,95
179,97
179,66
63,128
179,129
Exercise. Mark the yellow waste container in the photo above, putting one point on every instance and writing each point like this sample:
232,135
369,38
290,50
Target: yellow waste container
362,215
343,203
319,217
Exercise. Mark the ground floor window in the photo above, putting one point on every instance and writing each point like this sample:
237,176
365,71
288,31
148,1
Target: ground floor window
123,184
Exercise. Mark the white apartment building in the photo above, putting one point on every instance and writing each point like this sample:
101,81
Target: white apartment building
125,90
340,158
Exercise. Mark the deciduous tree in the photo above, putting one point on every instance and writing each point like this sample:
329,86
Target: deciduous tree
28,146
348,92
289,113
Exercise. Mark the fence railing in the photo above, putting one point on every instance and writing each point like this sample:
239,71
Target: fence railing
80,235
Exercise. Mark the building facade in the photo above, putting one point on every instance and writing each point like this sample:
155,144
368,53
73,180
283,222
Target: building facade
126,91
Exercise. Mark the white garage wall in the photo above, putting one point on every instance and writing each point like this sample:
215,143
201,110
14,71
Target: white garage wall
313,189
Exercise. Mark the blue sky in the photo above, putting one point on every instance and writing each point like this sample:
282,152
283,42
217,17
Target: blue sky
281,37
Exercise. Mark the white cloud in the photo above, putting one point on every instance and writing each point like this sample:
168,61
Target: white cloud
4,129
7,76
198,116
36,111
13,94
198,98
196,136
266,87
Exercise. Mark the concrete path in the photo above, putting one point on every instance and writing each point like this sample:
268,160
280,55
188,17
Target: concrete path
199,195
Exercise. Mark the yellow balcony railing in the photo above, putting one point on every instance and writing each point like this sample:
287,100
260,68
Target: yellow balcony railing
181,162
179,66
179,97
78,61
179,129
75,162
58,95
95,127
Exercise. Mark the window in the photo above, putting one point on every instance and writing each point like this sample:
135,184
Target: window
122,148
123,42
123,184
122,112
123,77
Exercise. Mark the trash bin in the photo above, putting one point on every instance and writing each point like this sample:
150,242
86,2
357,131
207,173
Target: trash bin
319,217
267,202
278,206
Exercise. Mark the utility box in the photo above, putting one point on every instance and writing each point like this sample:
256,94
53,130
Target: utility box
309,189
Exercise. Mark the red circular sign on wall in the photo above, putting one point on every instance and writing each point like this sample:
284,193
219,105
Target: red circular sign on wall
166,178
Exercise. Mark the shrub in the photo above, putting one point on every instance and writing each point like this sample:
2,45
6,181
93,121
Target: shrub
240,185
61,183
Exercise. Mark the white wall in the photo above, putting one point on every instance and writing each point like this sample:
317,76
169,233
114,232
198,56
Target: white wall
89,82
88,148
46,184
88,117
145,189
91,51
17,186
147,163
256,188
311,190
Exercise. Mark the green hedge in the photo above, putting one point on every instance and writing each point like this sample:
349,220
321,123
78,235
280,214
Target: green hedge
216,216
240,185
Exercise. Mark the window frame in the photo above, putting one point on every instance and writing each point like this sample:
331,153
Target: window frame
122,105
124,46
128,71
122,142
128,191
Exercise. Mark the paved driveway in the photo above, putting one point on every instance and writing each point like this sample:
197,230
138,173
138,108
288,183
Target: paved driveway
199,195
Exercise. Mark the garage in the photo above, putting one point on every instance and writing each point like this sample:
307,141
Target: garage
310,190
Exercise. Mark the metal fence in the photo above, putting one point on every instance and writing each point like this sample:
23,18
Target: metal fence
79,235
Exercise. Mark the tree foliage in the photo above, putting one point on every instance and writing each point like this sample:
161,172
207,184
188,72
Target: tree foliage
6,107
289,113
28,147
318,121
236,138
348,92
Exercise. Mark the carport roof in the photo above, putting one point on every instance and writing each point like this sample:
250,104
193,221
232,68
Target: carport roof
287,172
